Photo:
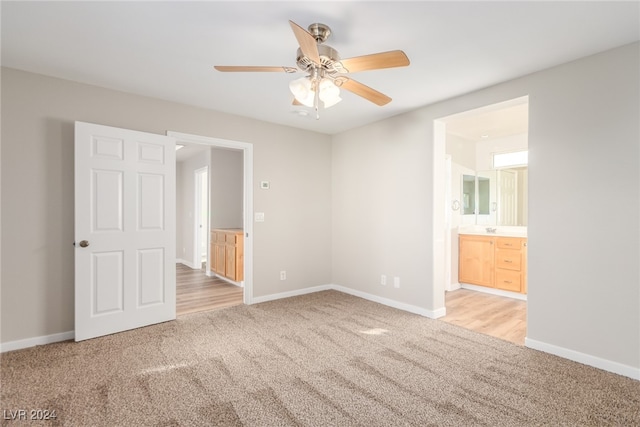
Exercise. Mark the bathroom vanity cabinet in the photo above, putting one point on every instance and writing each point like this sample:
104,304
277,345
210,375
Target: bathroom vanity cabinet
493,261
227,253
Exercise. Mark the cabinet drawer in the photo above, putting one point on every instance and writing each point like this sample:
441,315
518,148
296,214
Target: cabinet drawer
232,238
508,280
509,243
218,237
509,259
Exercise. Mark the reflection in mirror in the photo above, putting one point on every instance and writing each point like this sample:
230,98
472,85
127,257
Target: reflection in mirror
484,193
506,195
468,195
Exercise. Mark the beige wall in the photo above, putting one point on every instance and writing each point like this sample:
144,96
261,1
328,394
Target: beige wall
347,208
226,181
37,193
185,204
584,215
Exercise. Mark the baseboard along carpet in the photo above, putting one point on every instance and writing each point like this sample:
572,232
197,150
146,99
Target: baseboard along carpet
323,359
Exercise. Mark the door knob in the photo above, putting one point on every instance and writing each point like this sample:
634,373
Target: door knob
84,243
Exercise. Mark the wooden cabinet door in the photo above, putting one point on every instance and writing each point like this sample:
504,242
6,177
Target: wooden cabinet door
219,259
212,256
524,267
476,263
230,265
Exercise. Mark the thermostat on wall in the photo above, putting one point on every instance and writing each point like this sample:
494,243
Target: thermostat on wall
264,185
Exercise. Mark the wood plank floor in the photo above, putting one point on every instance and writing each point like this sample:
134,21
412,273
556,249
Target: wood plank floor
501,317
196,291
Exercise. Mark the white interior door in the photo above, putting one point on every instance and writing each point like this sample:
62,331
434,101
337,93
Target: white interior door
124,230
508,192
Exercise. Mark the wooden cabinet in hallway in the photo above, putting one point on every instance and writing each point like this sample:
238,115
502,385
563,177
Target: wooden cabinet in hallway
227,253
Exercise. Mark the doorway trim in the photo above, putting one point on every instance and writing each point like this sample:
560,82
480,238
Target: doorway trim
247,156
440,202
200,222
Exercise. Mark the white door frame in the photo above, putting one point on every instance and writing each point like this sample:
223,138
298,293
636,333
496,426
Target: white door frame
439,182
247,150
197,232
441,263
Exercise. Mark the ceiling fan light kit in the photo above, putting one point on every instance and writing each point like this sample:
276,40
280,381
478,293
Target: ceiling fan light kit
326,71
308,90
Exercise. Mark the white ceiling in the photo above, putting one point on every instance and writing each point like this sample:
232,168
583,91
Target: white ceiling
491,122
167,49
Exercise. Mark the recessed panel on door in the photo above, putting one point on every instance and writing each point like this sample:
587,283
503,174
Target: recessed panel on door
107,148
150,202
108,282
150,153
150,276
107,215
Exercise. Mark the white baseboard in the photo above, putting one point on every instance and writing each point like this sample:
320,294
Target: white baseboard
432,314
494,291
452,287
585,359
226,279
32,342
289,294
188,264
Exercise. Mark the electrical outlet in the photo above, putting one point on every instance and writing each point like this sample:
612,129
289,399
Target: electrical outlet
383,280
396,282
283,275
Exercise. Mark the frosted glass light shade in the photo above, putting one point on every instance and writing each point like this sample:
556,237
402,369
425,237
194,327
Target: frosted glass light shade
302,90
329,93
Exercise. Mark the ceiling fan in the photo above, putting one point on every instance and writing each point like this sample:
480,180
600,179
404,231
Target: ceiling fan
326,70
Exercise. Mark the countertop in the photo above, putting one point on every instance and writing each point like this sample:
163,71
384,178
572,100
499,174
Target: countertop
500,231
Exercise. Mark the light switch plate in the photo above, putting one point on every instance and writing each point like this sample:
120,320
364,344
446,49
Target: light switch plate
264,185
259,216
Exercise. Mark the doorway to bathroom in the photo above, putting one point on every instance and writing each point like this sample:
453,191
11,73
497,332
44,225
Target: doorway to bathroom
483,270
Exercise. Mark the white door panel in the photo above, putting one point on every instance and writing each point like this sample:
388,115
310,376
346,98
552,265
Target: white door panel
124,192
507,189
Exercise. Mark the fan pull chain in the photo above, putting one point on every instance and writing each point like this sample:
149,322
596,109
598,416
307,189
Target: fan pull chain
316,90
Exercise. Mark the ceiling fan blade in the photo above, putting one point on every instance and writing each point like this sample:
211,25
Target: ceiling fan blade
362,90
235,68
308,43
376,61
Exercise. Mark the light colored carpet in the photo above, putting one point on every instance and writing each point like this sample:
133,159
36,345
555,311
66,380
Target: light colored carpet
316,360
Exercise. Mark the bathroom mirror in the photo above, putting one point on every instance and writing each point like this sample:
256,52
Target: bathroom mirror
468,195
502,197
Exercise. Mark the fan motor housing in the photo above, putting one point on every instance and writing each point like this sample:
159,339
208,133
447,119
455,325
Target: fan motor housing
328,59
320,32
